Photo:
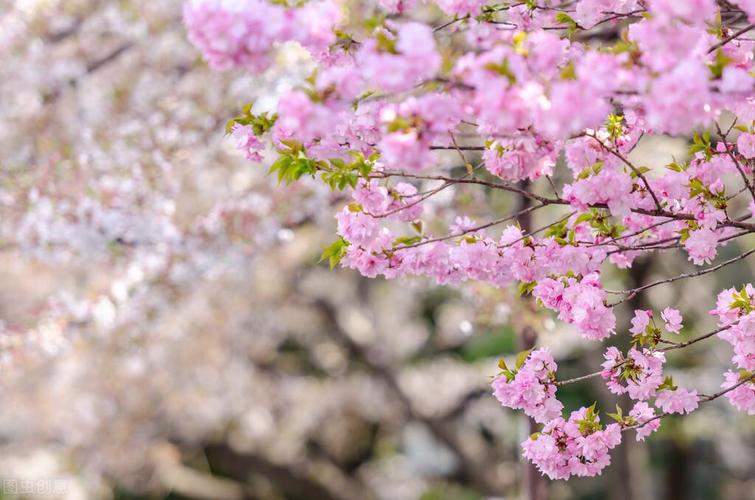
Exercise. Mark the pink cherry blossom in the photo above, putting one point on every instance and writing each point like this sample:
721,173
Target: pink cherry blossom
701,246
743,397
315,22
572,447
639,374
640,321
677,400
417,59
405,150
247,142
746,145
673,319
736,80
679,99
583,305
461,7
645,416
691,11
741,336
357,227
235,33
532,389
446,142
748,6
589,12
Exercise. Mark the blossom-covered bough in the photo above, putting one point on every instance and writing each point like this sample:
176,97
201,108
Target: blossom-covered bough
533,110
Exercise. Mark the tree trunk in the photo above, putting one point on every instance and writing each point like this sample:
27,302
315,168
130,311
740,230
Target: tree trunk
535,484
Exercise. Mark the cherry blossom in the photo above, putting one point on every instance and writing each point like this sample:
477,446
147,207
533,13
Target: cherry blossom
452,144
646,418
742,397
531,388
746,145
247,142
641,371
701,246
673,319
560,167
677,400
578,446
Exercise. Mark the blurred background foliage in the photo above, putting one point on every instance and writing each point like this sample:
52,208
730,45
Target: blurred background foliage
232,365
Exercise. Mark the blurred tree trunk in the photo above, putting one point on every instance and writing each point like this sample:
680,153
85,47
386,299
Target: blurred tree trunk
621,476
677,472
535,483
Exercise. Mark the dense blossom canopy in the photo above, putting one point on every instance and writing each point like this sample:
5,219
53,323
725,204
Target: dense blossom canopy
545,100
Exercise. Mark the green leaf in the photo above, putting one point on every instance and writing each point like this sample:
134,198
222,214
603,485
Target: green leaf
564,18
294,146
640,170
619,415
521,358
701,144
590,413
718,65
385,44
525,288
337,162
585,217
675,167
569,72
502,69
407,240
335,252
556,230
668,383
280,165
614,126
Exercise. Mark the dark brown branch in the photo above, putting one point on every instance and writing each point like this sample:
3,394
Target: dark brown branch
695,274
731,37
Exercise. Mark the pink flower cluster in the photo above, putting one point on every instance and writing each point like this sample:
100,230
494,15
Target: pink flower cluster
736,311
532,388
574,447
589,12
522,157
672,319
410,58
247,142
746,145
461,7
579,302
677,400
701,246
400,112
748,6
413,126
235,34
243,33
641,372
743,397
646,419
